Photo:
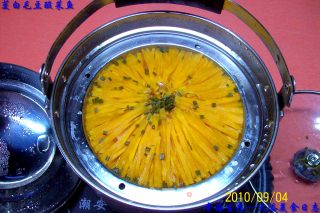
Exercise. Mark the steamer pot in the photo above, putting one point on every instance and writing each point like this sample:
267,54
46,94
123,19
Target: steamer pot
262,103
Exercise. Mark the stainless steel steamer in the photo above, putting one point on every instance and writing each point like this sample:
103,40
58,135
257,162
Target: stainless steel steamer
263,104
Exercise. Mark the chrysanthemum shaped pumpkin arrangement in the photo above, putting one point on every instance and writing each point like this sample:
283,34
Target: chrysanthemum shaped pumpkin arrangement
163,117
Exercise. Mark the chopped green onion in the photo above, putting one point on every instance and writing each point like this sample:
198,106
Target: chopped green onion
126,78
162,156
97,100
230,94
195,105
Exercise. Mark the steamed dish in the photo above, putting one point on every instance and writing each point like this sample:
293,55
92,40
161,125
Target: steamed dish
163,116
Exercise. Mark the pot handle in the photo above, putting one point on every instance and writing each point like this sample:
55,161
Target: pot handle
210,5
286,92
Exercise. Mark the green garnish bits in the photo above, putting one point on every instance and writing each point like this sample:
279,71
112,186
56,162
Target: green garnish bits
97,100
101,140
129,108
230,94
166,102
126,78
195,105
162,156
163,49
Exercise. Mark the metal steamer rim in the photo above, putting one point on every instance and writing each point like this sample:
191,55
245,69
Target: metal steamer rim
191,32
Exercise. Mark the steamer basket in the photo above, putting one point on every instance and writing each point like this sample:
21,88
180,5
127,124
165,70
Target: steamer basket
262,103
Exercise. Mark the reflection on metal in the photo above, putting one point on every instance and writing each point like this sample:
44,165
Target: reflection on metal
34,126
26,148
317,123
313,159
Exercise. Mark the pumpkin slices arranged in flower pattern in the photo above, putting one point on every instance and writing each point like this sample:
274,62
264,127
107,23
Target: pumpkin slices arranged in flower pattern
163,117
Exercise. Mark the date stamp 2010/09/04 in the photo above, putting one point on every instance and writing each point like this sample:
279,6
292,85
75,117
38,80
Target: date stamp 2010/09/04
258,196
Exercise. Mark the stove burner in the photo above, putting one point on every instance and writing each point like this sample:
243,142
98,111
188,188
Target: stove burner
306,164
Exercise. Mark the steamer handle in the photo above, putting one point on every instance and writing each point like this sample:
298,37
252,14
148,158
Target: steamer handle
210,5
286,92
